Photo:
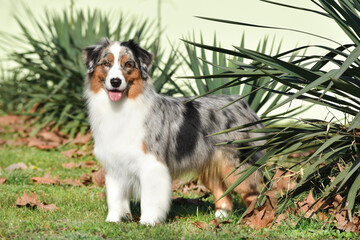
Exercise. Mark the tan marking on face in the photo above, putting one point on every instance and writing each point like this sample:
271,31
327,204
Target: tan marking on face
133,77
97,78
144,147
99,74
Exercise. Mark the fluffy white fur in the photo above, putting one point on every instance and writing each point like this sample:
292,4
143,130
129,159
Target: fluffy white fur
129,171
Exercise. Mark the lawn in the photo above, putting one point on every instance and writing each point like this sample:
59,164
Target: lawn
82,210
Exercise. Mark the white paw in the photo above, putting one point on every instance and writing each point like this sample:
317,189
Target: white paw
149,221
222,214
112,217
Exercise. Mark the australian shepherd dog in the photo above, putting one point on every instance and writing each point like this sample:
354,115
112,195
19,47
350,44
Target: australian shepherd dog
144,139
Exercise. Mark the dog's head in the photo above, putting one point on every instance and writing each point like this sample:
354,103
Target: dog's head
117,68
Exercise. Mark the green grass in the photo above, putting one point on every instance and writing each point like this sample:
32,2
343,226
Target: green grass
82,212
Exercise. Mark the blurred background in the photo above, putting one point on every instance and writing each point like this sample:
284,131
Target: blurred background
178,20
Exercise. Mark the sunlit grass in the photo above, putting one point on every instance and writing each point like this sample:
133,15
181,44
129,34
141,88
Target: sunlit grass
82,210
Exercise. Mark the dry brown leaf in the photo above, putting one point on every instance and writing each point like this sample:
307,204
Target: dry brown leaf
261,218
201,225
15,166
280,219
69,153
99,177
42,144
192,186
2,180
175,185
72,182
251,207
45,180
283,180
72,153
214,222
86,179
80,140
50,136
47,207
2,141
31,201
9,120
271,200
26,200
17,142
86,164
2,130
69,165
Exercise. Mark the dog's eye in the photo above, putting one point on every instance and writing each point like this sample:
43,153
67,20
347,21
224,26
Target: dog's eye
107,64
129,64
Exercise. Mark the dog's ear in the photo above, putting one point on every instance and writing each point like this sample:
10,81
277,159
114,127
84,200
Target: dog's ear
91,54
143,57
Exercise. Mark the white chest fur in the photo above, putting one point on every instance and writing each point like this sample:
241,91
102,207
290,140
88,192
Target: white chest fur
118,131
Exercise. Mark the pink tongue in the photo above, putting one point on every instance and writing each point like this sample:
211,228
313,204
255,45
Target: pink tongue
115,96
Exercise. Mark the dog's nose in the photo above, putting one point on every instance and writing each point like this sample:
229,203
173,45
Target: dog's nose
115,82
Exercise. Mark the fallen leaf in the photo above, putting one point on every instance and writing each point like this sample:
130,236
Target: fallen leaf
69,153
175,185
261,218
2,180
99,177
283,180
86,164
308,207
42,144
50,137
2,141
26,200
17,142
220,224
80,153
45,180
86,179
193,187
31,201
72,182
69,165
214,222
9,119
47,207
80,140
201,225
16,166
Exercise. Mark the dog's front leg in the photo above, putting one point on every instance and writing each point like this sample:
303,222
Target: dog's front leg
118,199
155,183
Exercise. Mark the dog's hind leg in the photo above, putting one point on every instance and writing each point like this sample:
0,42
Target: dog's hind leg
217,187
210,176
248,189
220,174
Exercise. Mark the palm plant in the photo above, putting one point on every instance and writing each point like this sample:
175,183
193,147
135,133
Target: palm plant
219,78
50,67
331,80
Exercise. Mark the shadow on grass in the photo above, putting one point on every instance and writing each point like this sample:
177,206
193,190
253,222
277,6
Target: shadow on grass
190,207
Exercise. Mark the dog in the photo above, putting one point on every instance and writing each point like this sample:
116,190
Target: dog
144,139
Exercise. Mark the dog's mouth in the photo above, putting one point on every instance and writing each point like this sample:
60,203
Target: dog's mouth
115,95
